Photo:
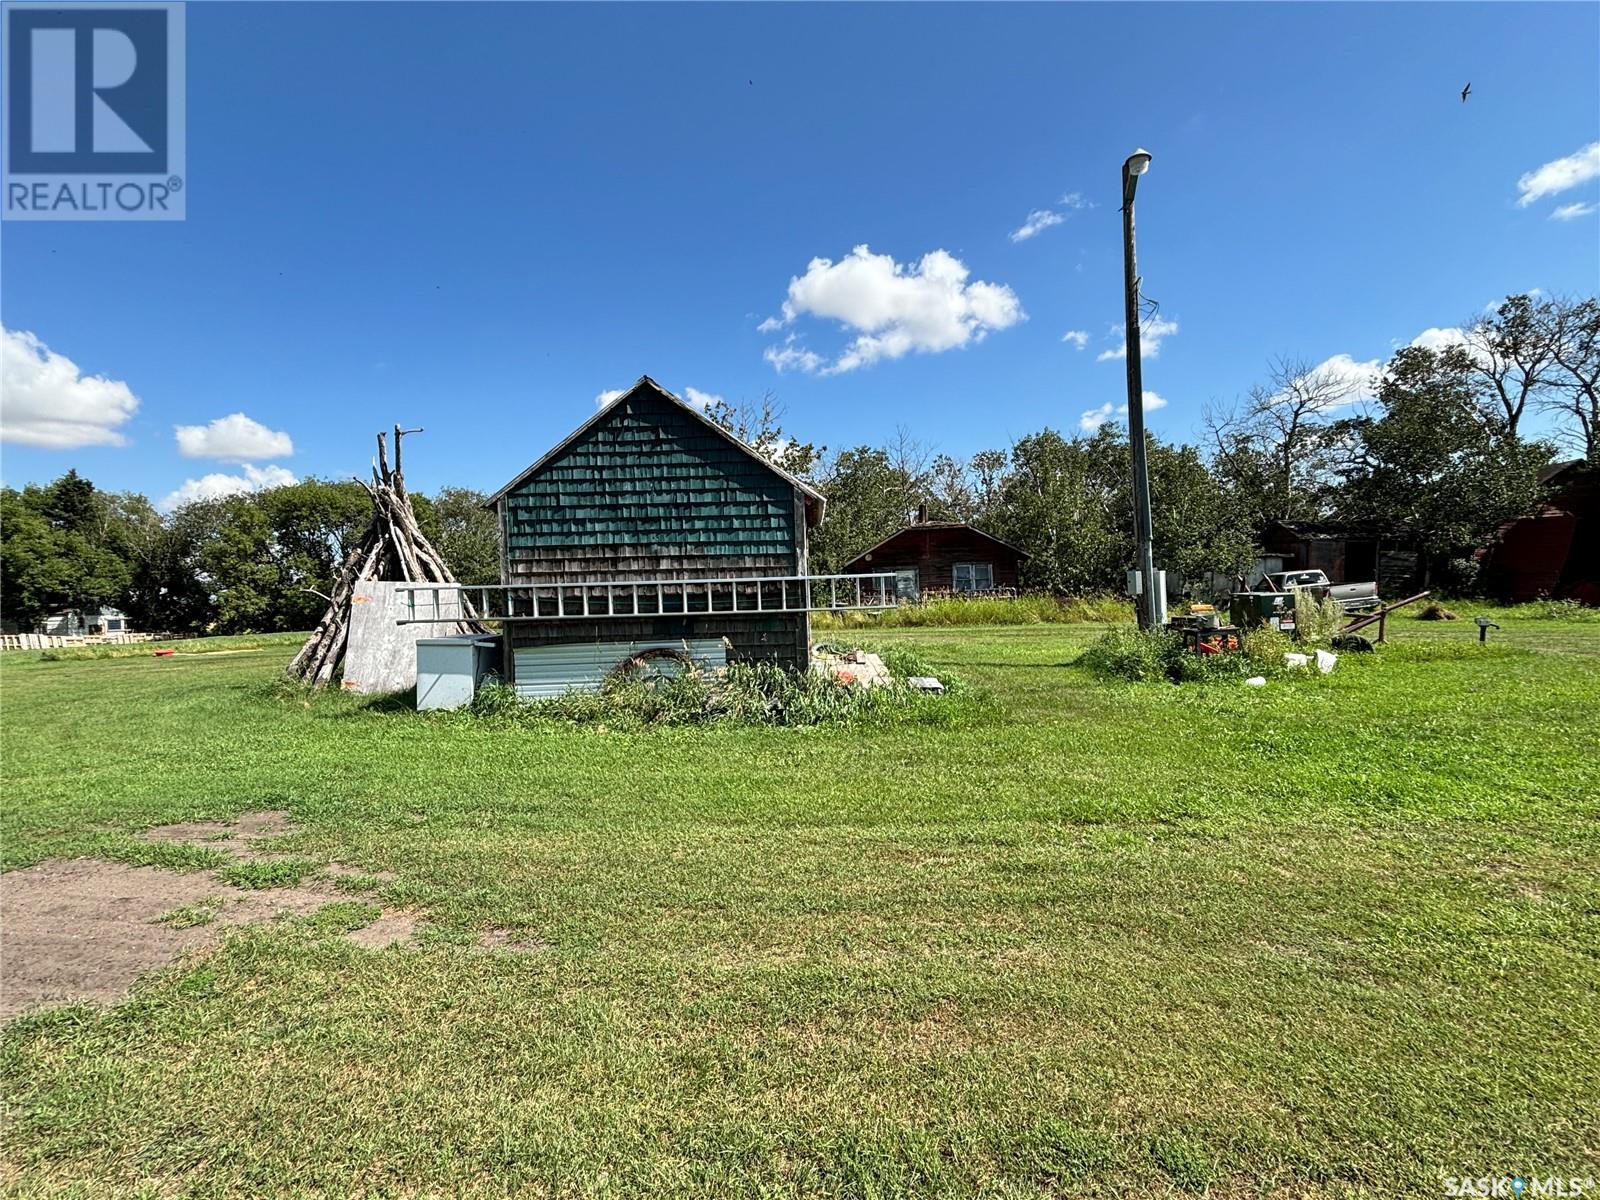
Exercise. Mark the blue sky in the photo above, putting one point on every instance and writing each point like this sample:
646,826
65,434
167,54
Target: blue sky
476,219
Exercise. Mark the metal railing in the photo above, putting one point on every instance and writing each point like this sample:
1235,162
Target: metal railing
603,599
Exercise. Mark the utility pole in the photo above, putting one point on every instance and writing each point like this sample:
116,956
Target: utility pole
1149,609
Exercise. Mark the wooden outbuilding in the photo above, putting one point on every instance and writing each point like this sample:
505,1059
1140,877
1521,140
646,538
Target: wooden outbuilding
1555,550
1346,553
943,556
646,492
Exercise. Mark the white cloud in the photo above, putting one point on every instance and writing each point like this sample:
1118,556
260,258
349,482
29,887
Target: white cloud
1041,219
894,308
1352,380
1356,381
694,396
1571,212
232,438
1560,174
780,451
1078,337
789,357
1096,417
46,400
217,485
1440,339
1531,293
1038,220
1151,335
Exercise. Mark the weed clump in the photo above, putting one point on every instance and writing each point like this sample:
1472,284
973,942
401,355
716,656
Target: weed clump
190,916
1147,657
739,694
1132,654
267,873
1434,611
1317,619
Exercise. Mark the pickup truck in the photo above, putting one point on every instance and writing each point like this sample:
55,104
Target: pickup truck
1352,597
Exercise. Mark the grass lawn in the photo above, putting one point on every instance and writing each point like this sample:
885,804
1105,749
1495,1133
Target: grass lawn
1334,938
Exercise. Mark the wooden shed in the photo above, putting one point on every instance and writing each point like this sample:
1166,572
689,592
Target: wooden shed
647,492
1347,554
1554,550
943,556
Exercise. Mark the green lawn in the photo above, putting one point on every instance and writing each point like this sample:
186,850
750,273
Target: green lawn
1339,937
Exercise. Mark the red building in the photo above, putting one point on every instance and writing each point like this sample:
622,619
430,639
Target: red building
943,556
1554,551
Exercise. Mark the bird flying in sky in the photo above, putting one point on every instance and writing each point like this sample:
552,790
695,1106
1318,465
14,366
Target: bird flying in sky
1465,92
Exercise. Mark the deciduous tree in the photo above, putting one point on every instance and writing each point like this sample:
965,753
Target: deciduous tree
1436,465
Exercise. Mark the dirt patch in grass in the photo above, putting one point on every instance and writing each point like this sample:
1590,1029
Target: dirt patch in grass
238,837
391,929
84,930
505,939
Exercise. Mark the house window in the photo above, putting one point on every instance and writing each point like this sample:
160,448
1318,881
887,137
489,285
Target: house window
973,577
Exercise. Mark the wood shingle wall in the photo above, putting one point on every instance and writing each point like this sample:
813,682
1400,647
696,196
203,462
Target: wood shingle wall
650,491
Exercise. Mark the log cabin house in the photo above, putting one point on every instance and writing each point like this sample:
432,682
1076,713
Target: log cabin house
943,556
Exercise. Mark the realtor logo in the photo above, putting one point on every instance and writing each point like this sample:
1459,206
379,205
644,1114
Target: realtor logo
94,125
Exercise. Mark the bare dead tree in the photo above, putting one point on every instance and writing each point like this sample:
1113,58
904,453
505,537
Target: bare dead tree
1282,439
967,490
910,461
759,425
1573,329
1513,355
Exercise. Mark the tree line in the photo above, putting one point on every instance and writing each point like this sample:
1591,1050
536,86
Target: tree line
1437,460
252,563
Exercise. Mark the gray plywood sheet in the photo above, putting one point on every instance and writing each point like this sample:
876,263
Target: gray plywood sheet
382,656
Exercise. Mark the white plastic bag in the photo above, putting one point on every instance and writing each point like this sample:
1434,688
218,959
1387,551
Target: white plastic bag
1256,681
1295,660
1325,661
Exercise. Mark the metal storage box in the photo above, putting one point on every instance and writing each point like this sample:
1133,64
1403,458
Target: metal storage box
450,669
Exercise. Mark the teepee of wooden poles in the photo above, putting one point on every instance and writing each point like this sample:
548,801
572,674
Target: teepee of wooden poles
393,548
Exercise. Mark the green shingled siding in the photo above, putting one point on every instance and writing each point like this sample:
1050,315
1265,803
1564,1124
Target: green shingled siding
652,475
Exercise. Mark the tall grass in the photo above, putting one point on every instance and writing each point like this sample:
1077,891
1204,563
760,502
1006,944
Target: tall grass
986,610
1160,655
1532,610
1317,619
740,694
199,645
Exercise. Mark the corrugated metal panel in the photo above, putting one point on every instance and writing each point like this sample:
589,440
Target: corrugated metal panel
546,671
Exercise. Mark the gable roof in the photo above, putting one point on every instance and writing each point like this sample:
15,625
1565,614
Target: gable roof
921,525
645,383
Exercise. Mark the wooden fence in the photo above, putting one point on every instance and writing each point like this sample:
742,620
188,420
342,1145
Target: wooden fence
50,641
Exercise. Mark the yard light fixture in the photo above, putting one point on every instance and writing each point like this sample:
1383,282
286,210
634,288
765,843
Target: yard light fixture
1150,606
